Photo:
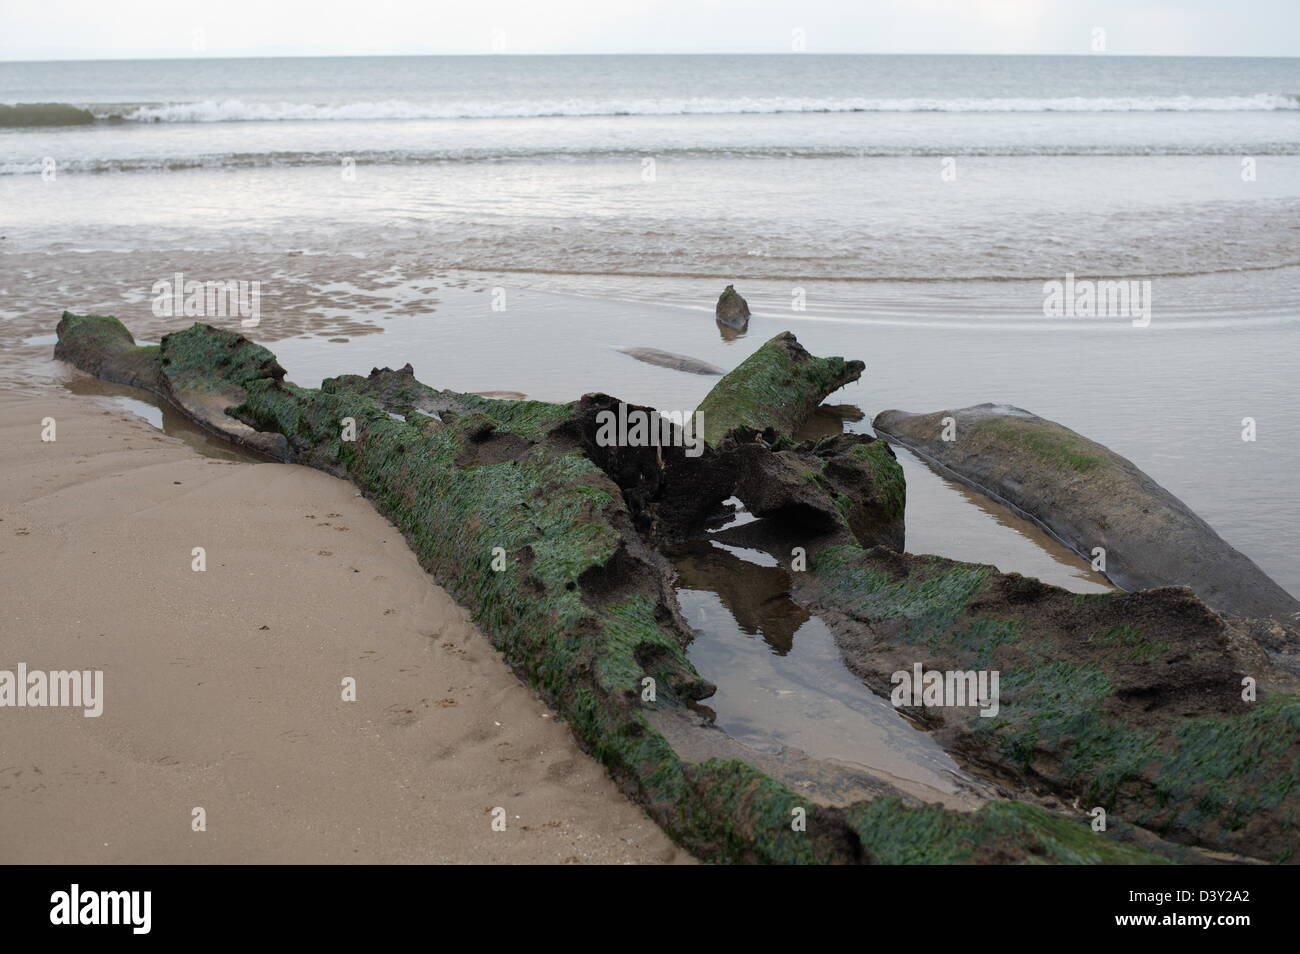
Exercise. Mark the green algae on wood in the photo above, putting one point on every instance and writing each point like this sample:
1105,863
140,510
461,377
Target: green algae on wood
887,475
583,609
102,346
846,484
778,386
997,833
1131,702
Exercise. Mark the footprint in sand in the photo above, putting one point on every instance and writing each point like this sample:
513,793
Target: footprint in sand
463,654
549,824
401,715
561,770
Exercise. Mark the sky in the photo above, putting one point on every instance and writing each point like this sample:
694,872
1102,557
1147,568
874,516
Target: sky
100,29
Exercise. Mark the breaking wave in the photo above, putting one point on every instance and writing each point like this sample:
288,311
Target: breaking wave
236,110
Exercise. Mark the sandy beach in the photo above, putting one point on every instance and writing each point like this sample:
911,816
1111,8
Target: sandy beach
222,688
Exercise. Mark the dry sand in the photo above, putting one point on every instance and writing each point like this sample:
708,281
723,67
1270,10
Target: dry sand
223,688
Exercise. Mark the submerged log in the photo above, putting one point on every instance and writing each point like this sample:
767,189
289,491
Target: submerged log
584,609
666,359
1087,496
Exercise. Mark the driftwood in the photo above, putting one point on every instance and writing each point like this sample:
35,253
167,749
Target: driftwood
584,608
1089,497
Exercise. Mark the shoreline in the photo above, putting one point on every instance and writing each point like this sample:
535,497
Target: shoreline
204,708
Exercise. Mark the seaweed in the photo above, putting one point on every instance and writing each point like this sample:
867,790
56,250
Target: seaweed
778,386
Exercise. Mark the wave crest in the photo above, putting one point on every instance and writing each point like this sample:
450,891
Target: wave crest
235,110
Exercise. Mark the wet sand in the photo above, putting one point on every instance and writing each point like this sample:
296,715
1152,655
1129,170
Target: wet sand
222,688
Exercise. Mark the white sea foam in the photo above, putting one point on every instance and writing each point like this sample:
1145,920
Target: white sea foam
235,110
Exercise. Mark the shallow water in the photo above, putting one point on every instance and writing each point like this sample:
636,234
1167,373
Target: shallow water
781,683
158,413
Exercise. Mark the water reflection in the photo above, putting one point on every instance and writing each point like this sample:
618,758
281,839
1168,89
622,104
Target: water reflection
781,682
158,413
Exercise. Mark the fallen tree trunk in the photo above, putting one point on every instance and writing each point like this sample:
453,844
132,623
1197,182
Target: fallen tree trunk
583,609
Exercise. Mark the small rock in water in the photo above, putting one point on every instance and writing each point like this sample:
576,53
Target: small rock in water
732,310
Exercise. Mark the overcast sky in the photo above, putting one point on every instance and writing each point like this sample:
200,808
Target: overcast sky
76,29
